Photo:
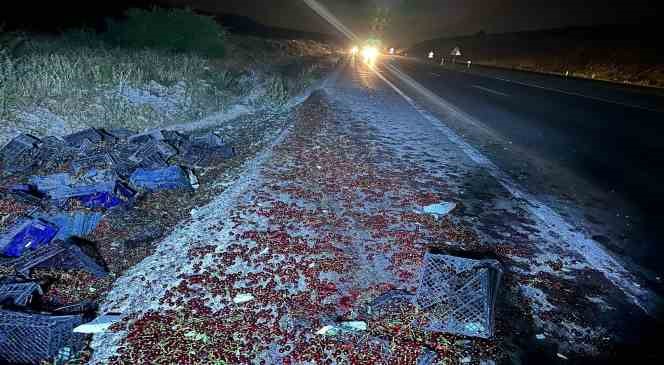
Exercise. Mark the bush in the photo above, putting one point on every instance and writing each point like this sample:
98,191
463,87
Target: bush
174,30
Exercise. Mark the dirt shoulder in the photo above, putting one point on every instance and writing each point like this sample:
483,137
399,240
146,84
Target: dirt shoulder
328,229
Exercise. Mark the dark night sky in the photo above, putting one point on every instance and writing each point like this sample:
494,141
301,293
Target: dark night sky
413,20
417,20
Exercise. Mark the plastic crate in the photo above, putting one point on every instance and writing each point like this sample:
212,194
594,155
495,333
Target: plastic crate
59,255
19,154
98,161
73,258
77,139
23,264
19,293
169,178
458,294
30,234
27,338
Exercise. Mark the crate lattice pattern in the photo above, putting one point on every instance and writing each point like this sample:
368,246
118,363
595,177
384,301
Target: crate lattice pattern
458,294
30,338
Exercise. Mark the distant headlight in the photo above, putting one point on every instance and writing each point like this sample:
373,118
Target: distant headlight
369,53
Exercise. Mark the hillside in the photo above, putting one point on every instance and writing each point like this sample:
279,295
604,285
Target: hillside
238,24
614,53
54,17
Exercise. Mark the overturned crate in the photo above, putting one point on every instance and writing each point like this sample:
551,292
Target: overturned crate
169,178
19,154
458,294
53,152
72,224
59,255
29,338
19,294
87,136
27,234
103,194
204,150
100,161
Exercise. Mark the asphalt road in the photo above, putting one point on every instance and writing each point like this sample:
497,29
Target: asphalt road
591,150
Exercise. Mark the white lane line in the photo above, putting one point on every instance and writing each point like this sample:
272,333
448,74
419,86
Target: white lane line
489,90
570,238
434,74
572,93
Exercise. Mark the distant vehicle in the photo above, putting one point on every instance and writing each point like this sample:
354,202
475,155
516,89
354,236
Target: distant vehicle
370,54
431,55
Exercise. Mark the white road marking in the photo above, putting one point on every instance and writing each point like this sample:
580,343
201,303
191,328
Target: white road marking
434,74
572,93
549,221
489,90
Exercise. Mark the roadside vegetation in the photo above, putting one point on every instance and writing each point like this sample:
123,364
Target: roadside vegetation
152,69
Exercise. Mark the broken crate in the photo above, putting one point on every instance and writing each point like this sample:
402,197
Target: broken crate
458,294
18,154
29,338
19,294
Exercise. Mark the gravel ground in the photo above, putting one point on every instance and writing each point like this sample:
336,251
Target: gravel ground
323,223
125,236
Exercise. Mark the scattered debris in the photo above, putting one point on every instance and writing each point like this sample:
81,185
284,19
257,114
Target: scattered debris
193,180
349,326
324,330
64,355
562,356
440,209
540,336
354,325
99,324
459,294
243,298
69,188
427,357
391,297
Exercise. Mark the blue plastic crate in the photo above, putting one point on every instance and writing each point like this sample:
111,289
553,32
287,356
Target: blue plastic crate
169,178
31,235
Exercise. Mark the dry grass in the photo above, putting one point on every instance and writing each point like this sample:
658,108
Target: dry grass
57,85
